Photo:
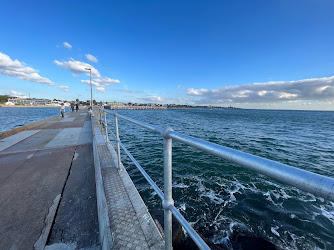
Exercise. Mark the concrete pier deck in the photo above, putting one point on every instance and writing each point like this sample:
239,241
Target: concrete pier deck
47,186
60,189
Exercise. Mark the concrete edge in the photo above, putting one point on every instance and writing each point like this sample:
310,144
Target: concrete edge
105,234
150,229
25,127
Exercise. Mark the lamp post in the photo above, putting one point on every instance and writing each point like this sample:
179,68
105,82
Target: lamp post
91,89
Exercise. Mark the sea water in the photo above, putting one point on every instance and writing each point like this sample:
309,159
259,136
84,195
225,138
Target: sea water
223,200
13,117
220,199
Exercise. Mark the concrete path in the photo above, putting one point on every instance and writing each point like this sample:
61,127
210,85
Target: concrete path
47,186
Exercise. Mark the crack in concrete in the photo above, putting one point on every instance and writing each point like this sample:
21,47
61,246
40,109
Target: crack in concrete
51,217
48,221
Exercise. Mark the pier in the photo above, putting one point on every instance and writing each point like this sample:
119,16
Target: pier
60,189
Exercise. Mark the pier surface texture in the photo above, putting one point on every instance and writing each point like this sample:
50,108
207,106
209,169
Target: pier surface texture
60,189
47,186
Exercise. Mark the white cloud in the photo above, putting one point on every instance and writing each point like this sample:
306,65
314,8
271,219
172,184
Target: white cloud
307,89
67,45
65,88
192,91
101,83
17,94
77,67
106,80
18,69
153,99
91,58
129,91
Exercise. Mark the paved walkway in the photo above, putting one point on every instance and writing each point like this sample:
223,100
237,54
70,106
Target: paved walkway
47,186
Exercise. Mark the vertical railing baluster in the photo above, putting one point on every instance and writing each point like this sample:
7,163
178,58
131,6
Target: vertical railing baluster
168,197
106,125
118,147
100,119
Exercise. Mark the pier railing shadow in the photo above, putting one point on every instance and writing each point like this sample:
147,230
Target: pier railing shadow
313,183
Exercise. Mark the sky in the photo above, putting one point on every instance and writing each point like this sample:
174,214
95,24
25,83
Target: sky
276,54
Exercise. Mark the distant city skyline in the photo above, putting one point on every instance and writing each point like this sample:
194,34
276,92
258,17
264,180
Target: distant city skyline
246,54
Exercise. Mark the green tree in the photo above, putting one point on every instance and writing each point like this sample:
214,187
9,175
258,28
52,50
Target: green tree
4,98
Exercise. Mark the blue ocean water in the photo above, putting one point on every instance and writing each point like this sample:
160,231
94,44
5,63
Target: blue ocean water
220,199
14,117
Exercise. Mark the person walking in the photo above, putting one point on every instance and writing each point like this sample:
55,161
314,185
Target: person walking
76,106
62,110
72,106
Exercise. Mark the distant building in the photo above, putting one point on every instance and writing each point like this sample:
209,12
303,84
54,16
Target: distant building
29,101
56,103
116,104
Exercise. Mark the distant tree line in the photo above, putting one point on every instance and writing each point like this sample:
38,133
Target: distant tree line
4,98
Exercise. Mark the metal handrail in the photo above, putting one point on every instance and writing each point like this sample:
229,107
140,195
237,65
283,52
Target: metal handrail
310,182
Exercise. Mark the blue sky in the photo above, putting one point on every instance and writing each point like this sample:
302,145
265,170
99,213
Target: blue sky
248,54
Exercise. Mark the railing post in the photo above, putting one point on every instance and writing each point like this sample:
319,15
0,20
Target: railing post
118,147
106,125
100,119
168,199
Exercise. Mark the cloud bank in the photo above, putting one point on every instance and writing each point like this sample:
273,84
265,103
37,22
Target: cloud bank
91,58
19,70
77,67
308,89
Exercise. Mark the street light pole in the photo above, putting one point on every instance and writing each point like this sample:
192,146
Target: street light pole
91,89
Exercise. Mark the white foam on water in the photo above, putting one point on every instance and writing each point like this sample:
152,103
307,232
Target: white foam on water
222,237
274,231
192,224
225,241
267,194
292,216
328,212
306,198
180,185
182,207
213,197
233,191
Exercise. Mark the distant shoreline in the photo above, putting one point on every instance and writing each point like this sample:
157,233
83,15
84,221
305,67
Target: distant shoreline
198,107
23,106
